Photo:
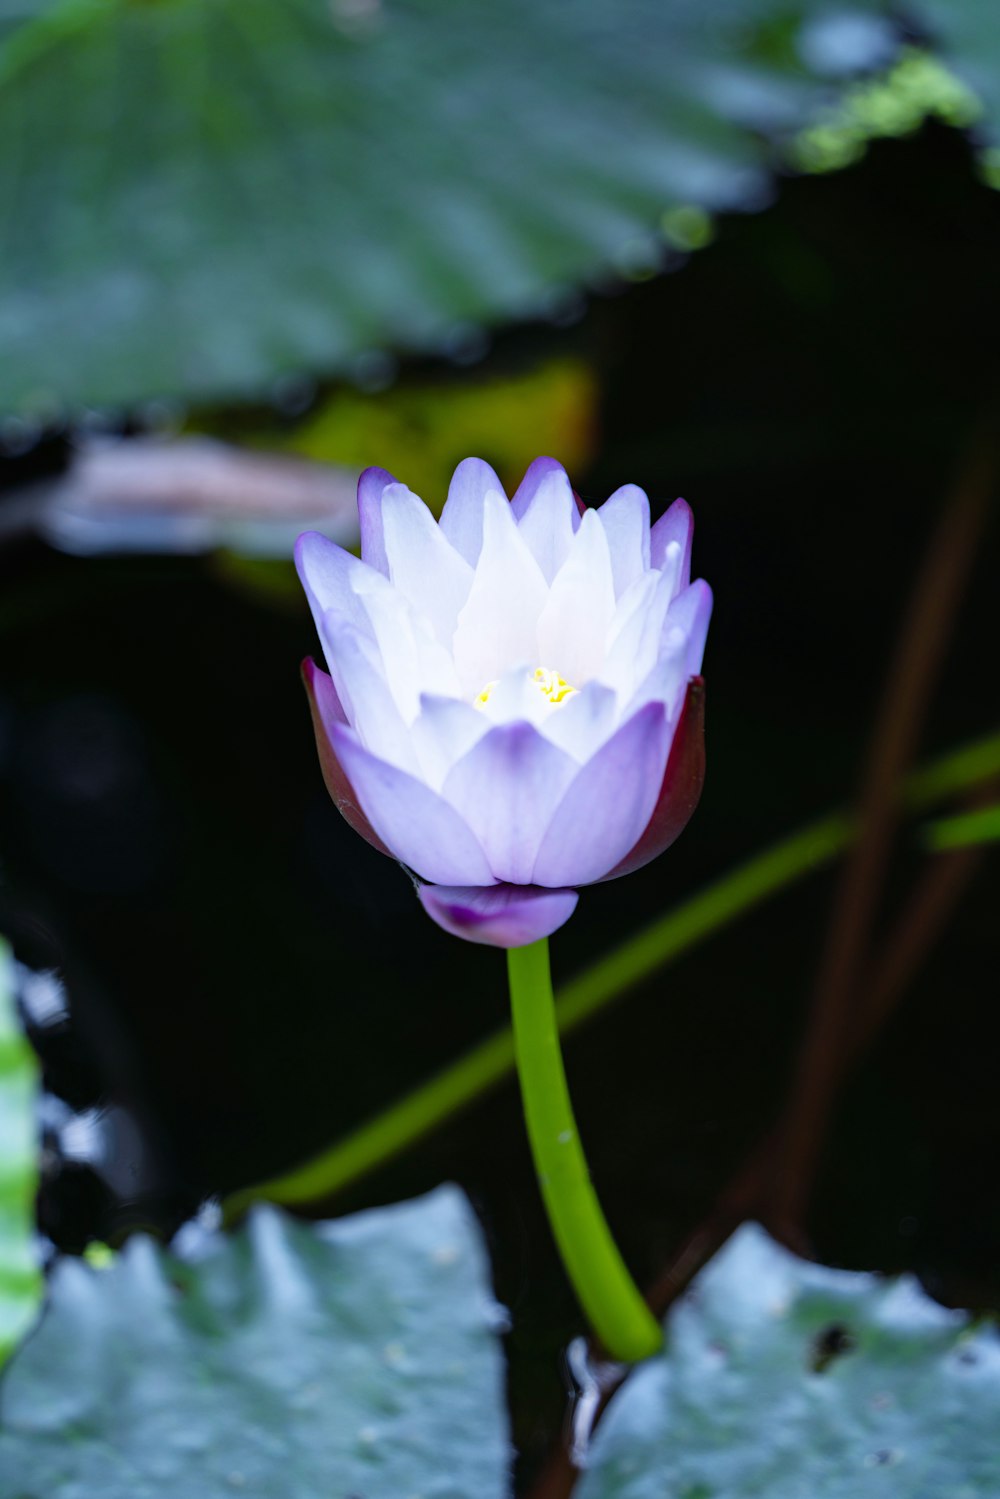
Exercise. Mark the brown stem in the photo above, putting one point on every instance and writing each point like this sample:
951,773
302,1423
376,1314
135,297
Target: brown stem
916,663
926,915
924,918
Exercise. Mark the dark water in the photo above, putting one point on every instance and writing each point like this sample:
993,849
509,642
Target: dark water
247,980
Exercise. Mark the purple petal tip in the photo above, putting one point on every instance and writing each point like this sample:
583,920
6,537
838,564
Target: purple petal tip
498,915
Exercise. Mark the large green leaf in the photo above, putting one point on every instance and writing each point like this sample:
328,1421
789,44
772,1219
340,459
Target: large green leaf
198,196
349,1358
967,33
20,1279
787,1380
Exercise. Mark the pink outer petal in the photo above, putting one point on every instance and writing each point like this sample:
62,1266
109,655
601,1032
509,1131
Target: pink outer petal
681,787
370,486
675,524
324,705
500,915
414,822
608,803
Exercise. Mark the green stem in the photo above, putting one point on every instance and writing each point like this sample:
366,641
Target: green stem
605,1290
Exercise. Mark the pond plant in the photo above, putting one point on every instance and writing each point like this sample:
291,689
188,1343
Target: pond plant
743,250
514,711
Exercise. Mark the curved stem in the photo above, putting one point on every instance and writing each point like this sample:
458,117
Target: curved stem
605,1290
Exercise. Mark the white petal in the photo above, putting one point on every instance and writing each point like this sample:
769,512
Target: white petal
328,575
549,521
634,601
371,486
689,614
574,624
417,824
414,661
679,654
607,805
671,568
666,683
582,723
443,731
497,629
634,638
506,789
515,698
359,677
676,524
625,518
538,471
462,516
423,564
435,667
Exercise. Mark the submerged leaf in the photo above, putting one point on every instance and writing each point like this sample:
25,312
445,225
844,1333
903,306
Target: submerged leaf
349,1358
786,1379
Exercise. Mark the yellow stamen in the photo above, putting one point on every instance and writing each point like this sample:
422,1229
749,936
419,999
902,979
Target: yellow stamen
552,685
549,683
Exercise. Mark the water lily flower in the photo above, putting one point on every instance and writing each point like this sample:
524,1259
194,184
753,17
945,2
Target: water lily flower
514,707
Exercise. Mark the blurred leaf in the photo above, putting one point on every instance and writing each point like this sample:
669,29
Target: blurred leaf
967,33
981,826
787,1379
422,432
346,1358
916,89
203,196
20,1279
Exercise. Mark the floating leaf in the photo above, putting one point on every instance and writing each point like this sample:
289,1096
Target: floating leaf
201,197
347,1358
20,1279
785,1379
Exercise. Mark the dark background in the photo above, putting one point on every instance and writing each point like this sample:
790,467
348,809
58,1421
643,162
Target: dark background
248,980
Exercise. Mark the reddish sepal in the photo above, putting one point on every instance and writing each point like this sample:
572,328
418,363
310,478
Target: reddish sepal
680,789
324,705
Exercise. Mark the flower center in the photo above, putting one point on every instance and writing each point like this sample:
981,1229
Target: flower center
549,683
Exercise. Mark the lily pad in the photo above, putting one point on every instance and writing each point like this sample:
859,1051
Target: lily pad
356,1357
786,1379
199,197
967,36
20,1278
